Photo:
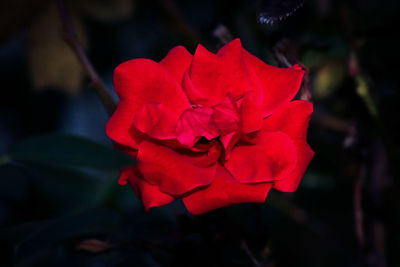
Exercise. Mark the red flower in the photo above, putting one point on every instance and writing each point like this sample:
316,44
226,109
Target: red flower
212,129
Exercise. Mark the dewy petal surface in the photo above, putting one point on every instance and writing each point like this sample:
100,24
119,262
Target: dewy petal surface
139,82
224,191
272,156
293,120
175,173
280,85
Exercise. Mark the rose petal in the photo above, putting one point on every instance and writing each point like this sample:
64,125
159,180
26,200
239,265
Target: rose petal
227,119
291,182
139,82
251,115
271,157
155,121
150,194
194,124
175,173
119,126
280,85
224,191
177,62
229,141
217,75
225,116
293,119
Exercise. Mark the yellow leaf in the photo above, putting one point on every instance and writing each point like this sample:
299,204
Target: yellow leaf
329,76
109,10
52,61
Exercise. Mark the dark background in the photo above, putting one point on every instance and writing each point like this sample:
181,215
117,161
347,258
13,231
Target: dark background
60,204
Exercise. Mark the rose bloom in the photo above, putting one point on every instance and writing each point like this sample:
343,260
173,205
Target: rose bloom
211,129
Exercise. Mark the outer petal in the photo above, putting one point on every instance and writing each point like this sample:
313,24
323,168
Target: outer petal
118,127
173,172
292,181
177,62
150,194
139,82
271,157
224,191
215,76
279,85
293,119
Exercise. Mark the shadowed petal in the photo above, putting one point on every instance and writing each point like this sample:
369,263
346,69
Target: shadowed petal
293,120
271,157
150,194
224,191
194,124
175,173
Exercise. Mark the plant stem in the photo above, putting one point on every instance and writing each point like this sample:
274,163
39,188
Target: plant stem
71,38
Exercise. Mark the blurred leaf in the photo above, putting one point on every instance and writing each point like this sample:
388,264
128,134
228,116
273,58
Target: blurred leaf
94,245
17,233
52,61
109,10
328,78
363,91
13,183
64,150
65,189
312,58
91,223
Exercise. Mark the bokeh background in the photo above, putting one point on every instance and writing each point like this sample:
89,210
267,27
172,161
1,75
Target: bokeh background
60,204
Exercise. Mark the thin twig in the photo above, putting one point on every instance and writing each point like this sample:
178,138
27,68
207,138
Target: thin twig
179,22
222,33
246,249
358,210
286,54
71,38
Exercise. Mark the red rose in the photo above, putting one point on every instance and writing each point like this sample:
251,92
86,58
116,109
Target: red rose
212,129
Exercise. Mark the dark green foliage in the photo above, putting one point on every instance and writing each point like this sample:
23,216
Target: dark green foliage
61,205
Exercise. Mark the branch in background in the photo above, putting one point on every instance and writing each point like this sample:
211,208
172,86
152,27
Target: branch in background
222,33
336,124
358,210
71,38
362,85
286,54
179,22
246,249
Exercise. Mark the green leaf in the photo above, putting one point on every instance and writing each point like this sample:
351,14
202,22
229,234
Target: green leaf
69,151
92,223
